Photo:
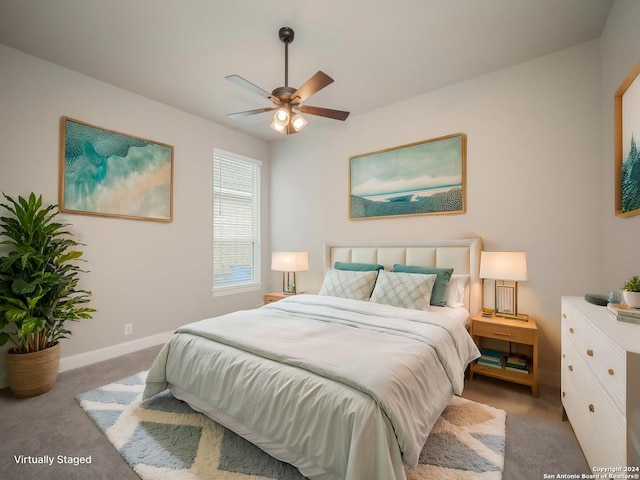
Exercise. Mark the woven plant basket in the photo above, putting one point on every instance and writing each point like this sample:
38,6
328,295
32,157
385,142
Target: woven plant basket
32,374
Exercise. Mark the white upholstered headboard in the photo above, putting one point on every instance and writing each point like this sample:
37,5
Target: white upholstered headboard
461,254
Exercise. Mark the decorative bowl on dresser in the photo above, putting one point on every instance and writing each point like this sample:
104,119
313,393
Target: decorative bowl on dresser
600,383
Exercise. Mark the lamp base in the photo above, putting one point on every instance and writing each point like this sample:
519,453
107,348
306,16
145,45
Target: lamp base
289,283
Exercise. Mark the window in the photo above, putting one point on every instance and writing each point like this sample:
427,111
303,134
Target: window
236,223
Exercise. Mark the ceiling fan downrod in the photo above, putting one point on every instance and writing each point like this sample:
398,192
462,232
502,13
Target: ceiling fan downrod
286,35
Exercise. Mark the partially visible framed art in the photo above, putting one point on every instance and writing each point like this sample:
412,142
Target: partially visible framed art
422,178
626,151
107,173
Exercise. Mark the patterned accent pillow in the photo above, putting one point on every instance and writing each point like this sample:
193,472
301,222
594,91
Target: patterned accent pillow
439,292
348,284
406,290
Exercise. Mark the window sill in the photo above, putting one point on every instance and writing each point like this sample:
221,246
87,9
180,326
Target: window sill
234,289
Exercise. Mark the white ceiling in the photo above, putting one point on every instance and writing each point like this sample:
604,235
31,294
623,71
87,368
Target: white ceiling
178,52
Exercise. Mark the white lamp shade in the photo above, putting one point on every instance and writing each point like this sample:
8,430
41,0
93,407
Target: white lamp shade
290,261
503,266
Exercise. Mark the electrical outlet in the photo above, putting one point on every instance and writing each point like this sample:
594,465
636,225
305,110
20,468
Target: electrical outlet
128,328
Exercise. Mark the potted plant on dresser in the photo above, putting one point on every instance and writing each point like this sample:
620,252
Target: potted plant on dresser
38,292
631,292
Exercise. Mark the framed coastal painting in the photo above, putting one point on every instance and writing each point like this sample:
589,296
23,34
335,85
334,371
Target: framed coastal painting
626,148
107,173
422,178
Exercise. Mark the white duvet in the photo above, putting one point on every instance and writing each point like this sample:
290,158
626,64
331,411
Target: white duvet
352,387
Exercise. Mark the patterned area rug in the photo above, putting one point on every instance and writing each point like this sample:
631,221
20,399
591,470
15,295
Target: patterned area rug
163,438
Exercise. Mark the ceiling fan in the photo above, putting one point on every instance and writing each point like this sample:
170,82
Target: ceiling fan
287,100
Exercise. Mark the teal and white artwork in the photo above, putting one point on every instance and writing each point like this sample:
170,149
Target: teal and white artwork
630,169
418,179
112,174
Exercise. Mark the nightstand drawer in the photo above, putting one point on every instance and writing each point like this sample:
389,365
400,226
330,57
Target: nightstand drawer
503,332
273,297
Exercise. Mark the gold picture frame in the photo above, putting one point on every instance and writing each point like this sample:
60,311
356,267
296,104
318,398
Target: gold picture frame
626,105
111,174
421,178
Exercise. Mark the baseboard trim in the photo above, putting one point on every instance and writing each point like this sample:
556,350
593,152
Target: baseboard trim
94,356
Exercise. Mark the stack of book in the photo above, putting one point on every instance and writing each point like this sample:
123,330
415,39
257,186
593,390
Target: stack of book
490,358
516,364
487,312
624,313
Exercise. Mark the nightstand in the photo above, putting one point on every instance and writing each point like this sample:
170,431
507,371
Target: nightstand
275,296
512,332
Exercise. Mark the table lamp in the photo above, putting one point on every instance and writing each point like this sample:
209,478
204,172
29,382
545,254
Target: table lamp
505,267
289,263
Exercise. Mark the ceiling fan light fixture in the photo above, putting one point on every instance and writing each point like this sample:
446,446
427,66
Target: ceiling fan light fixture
298,122
281,116
277,126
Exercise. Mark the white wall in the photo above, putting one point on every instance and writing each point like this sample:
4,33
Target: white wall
154,275
539,179
533,178
620,53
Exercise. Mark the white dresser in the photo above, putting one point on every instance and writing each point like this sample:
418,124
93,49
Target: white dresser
601,383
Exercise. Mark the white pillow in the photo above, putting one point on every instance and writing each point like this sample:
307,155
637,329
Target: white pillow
406,290
455,290
348,284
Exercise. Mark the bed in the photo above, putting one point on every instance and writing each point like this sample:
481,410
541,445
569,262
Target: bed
339,386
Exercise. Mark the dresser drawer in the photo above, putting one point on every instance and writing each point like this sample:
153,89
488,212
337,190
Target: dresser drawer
600,353
598,424
503,332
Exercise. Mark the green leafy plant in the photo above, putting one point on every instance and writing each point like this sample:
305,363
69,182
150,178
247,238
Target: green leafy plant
633,284
38,276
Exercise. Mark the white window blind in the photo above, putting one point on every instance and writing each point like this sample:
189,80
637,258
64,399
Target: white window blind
236,222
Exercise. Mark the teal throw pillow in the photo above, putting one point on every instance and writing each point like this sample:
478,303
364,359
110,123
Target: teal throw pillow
358,267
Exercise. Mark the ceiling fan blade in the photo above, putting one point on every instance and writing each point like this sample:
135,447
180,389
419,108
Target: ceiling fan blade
324,112
311,86
238,80
250,112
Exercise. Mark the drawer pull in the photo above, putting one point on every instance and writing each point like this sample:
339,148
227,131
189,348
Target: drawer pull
590,352
571,368
571,330
564,394
564,315
592,408
611,372
503,334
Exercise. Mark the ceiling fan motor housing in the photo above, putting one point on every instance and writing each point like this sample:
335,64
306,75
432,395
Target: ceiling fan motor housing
283,93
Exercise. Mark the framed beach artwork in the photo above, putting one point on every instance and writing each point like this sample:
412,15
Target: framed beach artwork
422,178
626,148
107,173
